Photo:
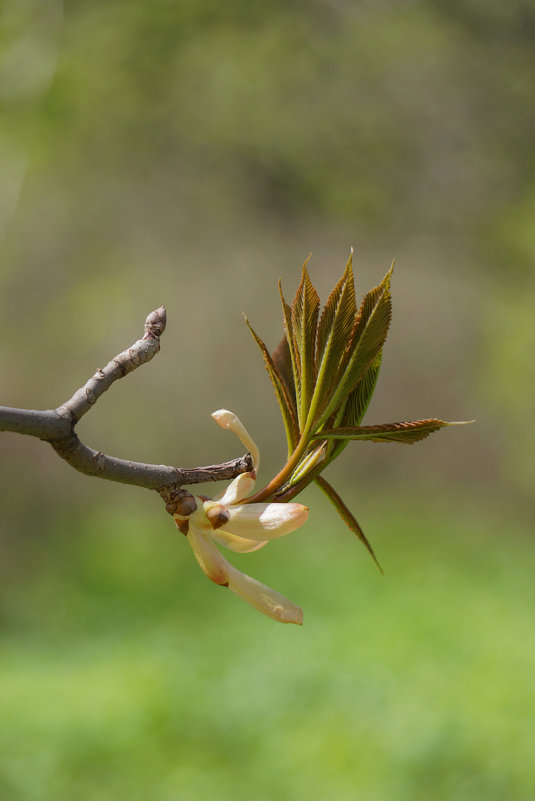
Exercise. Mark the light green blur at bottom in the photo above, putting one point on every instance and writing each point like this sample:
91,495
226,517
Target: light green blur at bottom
125,674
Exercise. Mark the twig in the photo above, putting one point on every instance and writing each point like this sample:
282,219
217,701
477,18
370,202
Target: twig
57,427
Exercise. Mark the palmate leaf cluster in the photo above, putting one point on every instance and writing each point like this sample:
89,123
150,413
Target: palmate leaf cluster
324,373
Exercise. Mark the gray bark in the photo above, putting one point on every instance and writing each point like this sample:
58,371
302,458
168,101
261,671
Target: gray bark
57,427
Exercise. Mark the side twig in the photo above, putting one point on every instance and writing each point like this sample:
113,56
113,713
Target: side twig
57,427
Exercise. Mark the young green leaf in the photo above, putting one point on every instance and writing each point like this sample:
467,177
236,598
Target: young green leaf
359,399
334,329
389,432
305,309
310,462
283,362
346,515
324,374
292,346
366,342
354,409
285,401
331,308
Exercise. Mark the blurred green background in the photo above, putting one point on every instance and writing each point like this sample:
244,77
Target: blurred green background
191,153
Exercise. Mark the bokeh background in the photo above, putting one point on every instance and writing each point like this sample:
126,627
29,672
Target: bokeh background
191,153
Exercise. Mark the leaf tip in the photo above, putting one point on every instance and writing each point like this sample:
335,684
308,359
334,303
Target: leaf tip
388,276
281,293
248,324
305,275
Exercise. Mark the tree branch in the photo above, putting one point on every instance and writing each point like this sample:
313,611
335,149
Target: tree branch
139,353
46,425
57,427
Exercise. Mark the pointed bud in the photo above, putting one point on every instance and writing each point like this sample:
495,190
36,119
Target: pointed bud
155,323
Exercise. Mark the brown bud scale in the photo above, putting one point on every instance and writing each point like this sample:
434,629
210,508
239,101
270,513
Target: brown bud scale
218,516
185,505
182,526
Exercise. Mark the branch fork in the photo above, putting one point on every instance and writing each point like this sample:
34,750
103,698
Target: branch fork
57,427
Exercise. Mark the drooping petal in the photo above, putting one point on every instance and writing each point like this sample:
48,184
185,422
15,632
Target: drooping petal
216,567
208,557
265,521
237,544
266,600
238,489
229,420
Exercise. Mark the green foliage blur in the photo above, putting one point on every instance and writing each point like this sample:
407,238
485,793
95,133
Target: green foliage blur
190,154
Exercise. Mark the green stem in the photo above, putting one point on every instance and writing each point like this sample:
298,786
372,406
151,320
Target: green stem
283,475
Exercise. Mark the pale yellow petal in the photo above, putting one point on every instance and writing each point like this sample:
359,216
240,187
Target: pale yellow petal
216,567
237,544
199,520
208,557
238,489
229,420
266,600
265,521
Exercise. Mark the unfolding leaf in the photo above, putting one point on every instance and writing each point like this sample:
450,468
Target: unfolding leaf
354,409
310,462
292,346
305,309
389,432
366,342
331,308
334,329
285,401
283,362
298,482
359,399
324,374
348,518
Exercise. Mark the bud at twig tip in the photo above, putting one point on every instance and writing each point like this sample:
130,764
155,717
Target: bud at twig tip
156,322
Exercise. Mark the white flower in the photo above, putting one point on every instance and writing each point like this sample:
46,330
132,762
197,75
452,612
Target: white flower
241,527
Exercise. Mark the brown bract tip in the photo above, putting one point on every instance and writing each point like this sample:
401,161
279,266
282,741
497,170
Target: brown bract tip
182,526
217,515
